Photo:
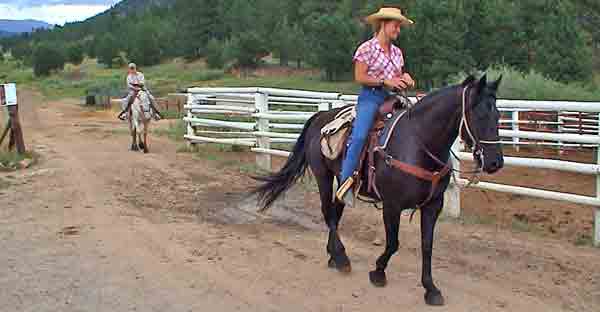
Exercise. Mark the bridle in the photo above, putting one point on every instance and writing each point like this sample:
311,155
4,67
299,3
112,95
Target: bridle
476,143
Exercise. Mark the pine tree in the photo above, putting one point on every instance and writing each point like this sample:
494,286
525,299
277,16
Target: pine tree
107,49
146,47
333,52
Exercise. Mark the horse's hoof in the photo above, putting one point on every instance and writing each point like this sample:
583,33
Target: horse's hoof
134,148
331,263
434,298
146,151
343,266
141,145
378,278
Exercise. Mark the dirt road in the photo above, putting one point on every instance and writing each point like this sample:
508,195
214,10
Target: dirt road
94,227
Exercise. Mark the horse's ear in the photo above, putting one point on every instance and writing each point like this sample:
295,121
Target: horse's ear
496,83
469,80
482,82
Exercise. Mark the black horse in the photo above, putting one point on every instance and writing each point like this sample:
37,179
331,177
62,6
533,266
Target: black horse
419,138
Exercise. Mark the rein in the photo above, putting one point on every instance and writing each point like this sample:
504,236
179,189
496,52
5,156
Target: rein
436,176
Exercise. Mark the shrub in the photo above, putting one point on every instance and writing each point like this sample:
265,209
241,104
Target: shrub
47,58
214,54
75,54
535,86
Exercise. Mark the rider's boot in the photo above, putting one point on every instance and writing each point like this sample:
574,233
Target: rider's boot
345,192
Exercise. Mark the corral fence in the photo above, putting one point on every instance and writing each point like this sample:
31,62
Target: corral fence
269,120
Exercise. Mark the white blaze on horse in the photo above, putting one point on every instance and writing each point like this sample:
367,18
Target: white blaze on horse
139,120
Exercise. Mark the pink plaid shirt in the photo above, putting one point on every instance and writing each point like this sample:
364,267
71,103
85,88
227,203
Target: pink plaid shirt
379,64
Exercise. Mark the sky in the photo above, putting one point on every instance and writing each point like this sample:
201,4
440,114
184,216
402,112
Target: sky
53,11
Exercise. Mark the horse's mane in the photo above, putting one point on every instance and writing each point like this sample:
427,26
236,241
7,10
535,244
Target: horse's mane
431,98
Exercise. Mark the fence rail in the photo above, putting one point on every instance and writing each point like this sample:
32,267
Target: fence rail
260,117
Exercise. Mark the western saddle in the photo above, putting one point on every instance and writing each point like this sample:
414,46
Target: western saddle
333,145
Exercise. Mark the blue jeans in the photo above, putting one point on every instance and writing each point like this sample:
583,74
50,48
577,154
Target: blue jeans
367,108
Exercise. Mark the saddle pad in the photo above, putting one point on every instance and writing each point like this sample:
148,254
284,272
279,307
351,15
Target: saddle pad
335,133
332,145
343,118
390,124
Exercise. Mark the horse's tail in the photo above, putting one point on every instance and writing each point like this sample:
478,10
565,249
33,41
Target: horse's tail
277,183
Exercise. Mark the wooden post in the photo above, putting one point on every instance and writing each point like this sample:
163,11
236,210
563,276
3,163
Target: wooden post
16,133
263,160
452,195
6,128
15,129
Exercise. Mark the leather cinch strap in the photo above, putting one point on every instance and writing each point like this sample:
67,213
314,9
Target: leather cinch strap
423,174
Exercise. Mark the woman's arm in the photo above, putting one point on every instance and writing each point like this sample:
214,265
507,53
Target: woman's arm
361,77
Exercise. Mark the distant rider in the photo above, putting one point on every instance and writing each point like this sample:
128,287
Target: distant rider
135,83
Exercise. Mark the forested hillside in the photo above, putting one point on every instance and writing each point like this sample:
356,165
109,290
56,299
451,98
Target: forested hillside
558,38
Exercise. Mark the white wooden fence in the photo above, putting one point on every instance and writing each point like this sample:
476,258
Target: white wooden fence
262,118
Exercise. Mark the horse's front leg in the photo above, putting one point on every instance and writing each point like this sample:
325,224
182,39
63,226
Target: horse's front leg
134,146
391,219
146,150
429,216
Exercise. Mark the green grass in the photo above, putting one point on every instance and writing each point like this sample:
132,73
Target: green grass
176,75
4,184
9,160
183,148
473,219
171,114
300,82
172,76
175,131
521,226
584,240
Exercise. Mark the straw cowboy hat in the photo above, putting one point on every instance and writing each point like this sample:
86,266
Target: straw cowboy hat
390,14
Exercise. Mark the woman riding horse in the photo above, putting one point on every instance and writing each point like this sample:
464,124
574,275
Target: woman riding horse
411,168
378,65
135,82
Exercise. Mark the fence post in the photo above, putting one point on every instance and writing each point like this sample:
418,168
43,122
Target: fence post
515,127
559,119
263,160
597,210
325,106
190,129
452,196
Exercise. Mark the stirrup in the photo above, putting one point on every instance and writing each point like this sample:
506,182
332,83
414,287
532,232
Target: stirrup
345,193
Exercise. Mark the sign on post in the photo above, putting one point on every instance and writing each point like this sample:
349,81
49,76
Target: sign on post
8,99
10,94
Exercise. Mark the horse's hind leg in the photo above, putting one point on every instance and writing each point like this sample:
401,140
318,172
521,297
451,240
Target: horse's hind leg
142,141
332,212
391,219
429,216
134,146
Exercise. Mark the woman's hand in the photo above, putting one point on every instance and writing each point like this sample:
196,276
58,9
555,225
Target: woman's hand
395,84
408,80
